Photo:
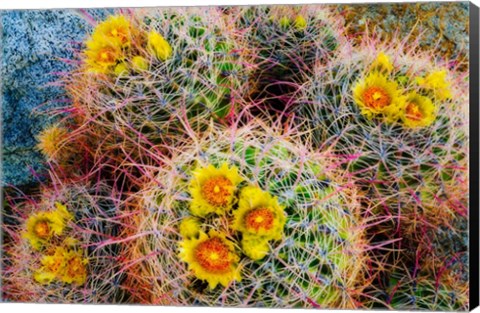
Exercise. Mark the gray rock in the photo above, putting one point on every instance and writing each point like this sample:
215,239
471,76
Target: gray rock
33,43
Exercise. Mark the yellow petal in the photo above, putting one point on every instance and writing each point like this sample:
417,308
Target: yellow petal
158,46
121,69
190,227
44,278
140,63
300,22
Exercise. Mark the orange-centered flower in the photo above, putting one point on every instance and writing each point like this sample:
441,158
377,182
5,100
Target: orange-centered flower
56,265
41,226
413,112
260,219
102,56
376,98
115,29
259,215
121,34
213,189
418,112
257,219
42,230
217,191
53,265
75,269
213,255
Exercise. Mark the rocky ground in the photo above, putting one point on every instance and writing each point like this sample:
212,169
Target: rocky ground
439,27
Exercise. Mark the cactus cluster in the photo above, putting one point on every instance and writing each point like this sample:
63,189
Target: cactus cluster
247,156
400,118
60,246
295,239
148,75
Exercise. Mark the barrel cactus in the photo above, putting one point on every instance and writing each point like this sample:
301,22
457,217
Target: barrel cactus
397,115
57,246
248,217
400,119
285,43
149,76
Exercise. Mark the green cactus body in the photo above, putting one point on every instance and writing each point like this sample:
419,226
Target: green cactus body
388,155
446,292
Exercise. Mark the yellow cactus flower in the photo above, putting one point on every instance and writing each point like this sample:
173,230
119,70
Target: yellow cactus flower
75,270
377,95
40,227
419,111
52,266
139,63
382,63
115,30
255,249
213,189
300,22
437,82
158,46
101,57
284,22
258,215
190,227
212,258
51,140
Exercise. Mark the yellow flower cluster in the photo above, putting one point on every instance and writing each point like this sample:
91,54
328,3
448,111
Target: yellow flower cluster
379,95
43,232
64,265
115,47
254,214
